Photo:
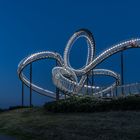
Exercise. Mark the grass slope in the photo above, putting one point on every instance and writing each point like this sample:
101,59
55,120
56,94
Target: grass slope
36,124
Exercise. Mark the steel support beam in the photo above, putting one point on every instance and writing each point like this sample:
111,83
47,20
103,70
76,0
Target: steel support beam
57,90
87,82
22,98
122,71
92,82
31,85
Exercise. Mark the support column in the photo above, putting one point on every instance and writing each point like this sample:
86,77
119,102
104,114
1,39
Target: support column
92,82
87,82
31,85
57,90
22,98
57,94
122,68
122,72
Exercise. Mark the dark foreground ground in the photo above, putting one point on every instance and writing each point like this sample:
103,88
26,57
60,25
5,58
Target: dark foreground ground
36,124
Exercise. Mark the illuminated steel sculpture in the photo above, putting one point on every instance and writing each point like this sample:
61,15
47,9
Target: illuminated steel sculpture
65,77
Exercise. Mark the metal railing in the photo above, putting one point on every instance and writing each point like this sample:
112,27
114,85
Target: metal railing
123,90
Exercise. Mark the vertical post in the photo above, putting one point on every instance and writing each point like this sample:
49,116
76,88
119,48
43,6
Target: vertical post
116,91
122,70
92,82
87,83
22,98
57,90
57,94
31,85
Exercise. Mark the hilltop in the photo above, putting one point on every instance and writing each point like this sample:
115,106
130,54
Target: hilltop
37,124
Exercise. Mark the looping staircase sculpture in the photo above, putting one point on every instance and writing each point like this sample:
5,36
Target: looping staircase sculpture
65,77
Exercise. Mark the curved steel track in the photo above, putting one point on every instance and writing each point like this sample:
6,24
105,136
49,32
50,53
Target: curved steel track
65,77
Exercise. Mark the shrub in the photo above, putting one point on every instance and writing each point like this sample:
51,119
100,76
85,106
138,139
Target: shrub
91,104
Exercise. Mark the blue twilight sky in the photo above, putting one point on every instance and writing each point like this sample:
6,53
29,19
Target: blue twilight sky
29,26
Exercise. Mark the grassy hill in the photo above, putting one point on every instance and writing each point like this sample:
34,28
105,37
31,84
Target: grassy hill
38,124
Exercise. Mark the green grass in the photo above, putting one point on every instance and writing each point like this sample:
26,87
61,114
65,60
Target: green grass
37,124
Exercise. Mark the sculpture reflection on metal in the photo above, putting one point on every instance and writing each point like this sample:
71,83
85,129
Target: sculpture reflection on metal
65,77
